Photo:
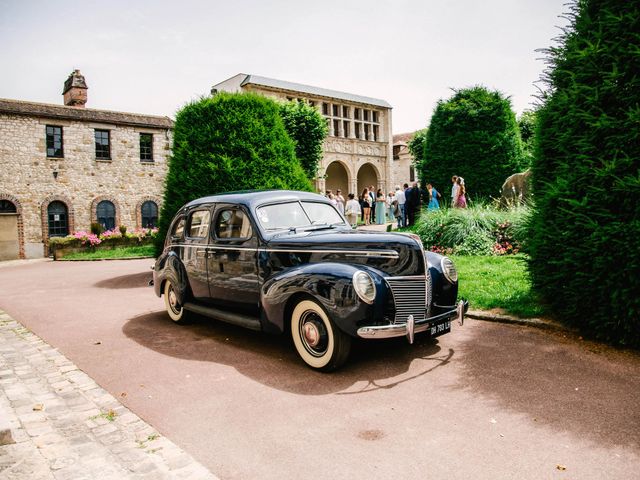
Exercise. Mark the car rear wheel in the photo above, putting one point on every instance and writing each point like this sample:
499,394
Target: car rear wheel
321,344
174,308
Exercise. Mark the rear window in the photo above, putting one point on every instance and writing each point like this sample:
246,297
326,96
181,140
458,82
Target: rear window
178,228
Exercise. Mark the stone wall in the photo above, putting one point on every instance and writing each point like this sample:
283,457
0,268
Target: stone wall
28,175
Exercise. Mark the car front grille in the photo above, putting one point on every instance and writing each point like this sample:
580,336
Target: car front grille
411,295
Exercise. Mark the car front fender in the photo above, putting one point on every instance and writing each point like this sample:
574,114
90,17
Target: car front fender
330,284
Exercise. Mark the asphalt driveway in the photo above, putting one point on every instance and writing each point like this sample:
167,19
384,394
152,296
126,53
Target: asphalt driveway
487,401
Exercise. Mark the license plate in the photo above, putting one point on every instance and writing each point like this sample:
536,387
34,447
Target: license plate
440,328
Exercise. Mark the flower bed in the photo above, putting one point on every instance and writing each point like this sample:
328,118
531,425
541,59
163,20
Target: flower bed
82,241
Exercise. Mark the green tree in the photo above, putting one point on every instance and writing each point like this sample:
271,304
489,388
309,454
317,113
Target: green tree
473,134
527,126
308,128
228,142
416,147
584,247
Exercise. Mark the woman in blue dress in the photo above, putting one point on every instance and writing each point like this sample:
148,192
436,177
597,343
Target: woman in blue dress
433,198
381,208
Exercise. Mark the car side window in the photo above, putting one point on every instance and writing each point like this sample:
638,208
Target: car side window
178,228
199,224
232,223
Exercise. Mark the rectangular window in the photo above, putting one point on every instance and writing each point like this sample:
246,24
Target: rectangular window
345,128
325,109
396,152
375,116
366,115
54,141
412,174
367,134
356,114
199,224
375,133
345,112
356,129
336,128
336,112
312,103
146,147
103,144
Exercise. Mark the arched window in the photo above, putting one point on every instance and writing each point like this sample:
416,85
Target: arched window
58,221
106,214
7,207
149,214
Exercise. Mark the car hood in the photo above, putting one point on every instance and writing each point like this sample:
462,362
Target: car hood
392,253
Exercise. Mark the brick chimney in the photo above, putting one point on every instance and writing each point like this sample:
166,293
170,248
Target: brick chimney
75,90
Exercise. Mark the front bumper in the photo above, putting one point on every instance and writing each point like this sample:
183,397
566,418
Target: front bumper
412,327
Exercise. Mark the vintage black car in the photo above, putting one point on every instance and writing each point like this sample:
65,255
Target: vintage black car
288,262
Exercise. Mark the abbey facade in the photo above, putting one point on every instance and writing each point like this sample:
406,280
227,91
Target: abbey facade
357,150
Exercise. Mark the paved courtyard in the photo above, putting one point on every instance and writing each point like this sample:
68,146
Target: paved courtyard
487,401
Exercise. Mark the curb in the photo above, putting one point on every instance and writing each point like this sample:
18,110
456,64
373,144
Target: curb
528,322
101,259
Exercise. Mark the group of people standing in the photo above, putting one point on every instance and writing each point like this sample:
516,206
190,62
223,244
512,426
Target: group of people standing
401,205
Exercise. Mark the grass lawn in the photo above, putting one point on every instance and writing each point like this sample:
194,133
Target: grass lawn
120,252
497,282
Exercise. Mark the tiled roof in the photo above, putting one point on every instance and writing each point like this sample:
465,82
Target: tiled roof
321,92
47,110
403,137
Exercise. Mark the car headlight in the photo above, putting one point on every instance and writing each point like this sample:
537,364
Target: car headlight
449,270
364,286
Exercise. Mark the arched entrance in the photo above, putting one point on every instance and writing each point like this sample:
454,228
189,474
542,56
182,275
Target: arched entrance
367,176
337,178
9,233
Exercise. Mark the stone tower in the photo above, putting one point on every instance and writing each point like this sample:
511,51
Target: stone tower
75,90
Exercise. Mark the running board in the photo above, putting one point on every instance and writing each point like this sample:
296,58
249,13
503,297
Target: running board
245,321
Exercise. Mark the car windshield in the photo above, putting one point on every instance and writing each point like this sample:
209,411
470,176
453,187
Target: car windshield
298,215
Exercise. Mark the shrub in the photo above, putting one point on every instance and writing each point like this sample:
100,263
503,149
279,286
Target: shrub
478,242
308,129
474,134
472,231
585,260
228,142
96,228
123,229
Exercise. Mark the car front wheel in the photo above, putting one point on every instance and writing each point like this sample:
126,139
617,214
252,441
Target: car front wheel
174,308
317,339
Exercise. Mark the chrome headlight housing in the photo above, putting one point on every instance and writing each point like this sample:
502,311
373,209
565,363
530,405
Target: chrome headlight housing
449,270
364,286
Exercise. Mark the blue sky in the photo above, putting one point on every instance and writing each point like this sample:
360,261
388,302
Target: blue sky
153,56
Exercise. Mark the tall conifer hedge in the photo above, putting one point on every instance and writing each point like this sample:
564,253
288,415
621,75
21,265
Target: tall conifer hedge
474,134
585,233
224,143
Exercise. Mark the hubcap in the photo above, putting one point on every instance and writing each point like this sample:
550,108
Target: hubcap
173,300
313,333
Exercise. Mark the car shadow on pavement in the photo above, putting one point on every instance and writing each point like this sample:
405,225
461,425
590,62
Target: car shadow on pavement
134,280
273,361
558,380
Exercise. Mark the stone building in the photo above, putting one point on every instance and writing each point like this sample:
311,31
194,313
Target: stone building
357,150
65,167
403,170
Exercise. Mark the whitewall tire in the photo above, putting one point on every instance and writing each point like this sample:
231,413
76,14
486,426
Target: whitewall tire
173,306
321,344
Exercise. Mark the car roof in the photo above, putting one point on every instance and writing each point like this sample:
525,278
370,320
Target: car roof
252,198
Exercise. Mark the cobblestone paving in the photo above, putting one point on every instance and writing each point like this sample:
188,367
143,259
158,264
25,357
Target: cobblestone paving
67,427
